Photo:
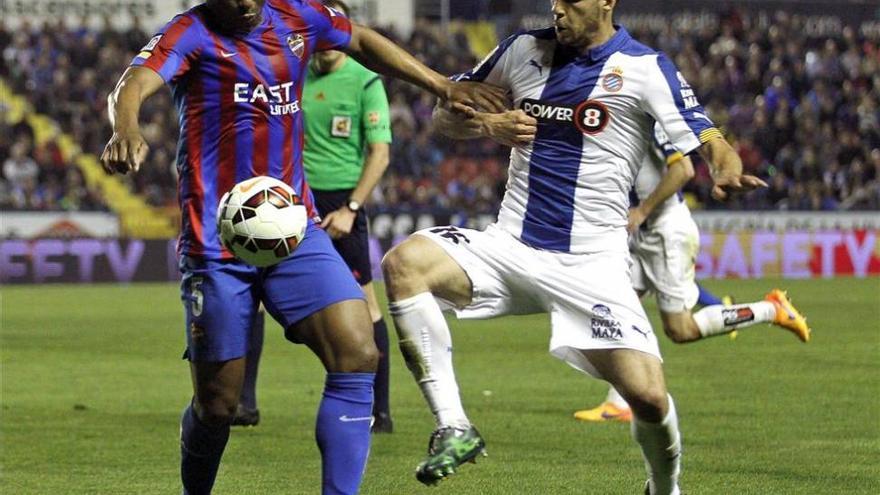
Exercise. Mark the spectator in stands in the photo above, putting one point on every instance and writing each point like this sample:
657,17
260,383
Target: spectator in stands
804,109
19,169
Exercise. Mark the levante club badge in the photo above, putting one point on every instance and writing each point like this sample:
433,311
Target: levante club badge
297,44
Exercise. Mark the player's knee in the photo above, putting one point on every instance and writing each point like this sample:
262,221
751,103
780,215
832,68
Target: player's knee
362,357
356,352
649,404
401,267
217,410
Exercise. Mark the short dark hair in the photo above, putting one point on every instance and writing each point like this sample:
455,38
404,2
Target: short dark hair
339,5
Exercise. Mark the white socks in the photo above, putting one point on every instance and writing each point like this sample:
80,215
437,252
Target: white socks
718,319
661,448
615,398
427,348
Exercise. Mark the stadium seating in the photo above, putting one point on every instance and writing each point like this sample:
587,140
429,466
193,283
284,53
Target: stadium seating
802,108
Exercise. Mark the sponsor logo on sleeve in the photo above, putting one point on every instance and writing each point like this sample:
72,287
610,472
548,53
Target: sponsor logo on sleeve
152,43
687,93
147,50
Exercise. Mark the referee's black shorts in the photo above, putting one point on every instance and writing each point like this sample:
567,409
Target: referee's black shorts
355,247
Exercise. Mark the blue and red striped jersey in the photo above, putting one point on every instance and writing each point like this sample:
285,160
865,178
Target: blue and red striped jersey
238,98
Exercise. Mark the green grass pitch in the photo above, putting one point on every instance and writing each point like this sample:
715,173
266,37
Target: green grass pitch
93,386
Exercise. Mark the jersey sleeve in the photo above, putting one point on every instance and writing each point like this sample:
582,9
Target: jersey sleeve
671,101
172,50
332,28
664,147
375,118
494,69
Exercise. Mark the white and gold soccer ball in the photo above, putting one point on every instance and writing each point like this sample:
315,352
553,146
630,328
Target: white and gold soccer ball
261,220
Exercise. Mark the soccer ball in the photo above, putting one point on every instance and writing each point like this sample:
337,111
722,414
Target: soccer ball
261,221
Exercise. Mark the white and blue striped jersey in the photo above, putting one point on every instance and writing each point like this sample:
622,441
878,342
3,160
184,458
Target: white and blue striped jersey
568,190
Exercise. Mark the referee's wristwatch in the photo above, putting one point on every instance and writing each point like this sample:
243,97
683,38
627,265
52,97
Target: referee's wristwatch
353,205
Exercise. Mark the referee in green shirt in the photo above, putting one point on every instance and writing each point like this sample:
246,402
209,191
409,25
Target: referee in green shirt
347,136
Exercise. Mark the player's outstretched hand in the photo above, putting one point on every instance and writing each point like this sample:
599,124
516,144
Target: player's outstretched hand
124,153
726,185
470,97
511,128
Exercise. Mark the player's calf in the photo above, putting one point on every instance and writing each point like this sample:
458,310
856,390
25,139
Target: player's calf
776,308
341,336
204,426
638,377
680,327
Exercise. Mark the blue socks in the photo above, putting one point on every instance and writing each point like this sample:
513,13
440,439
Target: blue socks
380,394
248,397
201,447
707,298
343,431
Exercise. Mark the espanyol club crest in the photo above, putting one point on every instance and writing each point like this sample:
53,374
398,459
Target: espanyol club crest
613,82
297,44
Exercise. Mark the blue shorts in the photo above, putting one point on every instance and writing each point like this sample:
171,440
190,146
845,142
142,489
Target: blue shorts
221,297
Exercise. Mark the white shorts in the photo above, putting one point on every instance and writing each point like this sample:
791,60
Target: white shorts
590,298
663,260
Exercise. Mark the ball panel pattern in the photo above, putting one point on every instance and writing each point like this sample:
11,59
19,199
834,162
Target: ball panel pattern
261,221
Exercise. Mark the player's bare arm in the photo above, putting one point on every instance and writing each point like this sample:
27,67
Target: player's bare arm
381,55
677,175
127,149
726,168
339,223
510,128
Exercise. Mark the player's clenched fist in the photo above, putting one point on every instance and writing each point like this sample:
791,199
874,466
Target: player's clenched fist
124,153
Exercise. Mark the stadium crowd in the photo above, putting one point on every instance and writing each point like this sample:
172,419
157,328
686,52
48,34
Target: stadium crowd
802,108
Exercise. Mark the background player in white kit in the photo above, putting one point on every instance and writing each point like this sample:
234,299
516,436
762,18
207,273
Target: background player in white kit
664,242
560,242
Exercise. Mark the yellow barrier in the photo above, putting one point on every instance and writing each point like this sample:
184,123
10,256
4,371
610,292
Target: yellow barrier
137,219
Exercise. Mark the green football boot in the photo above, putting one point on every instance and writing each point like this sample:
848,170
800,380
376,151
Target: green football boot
449,448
